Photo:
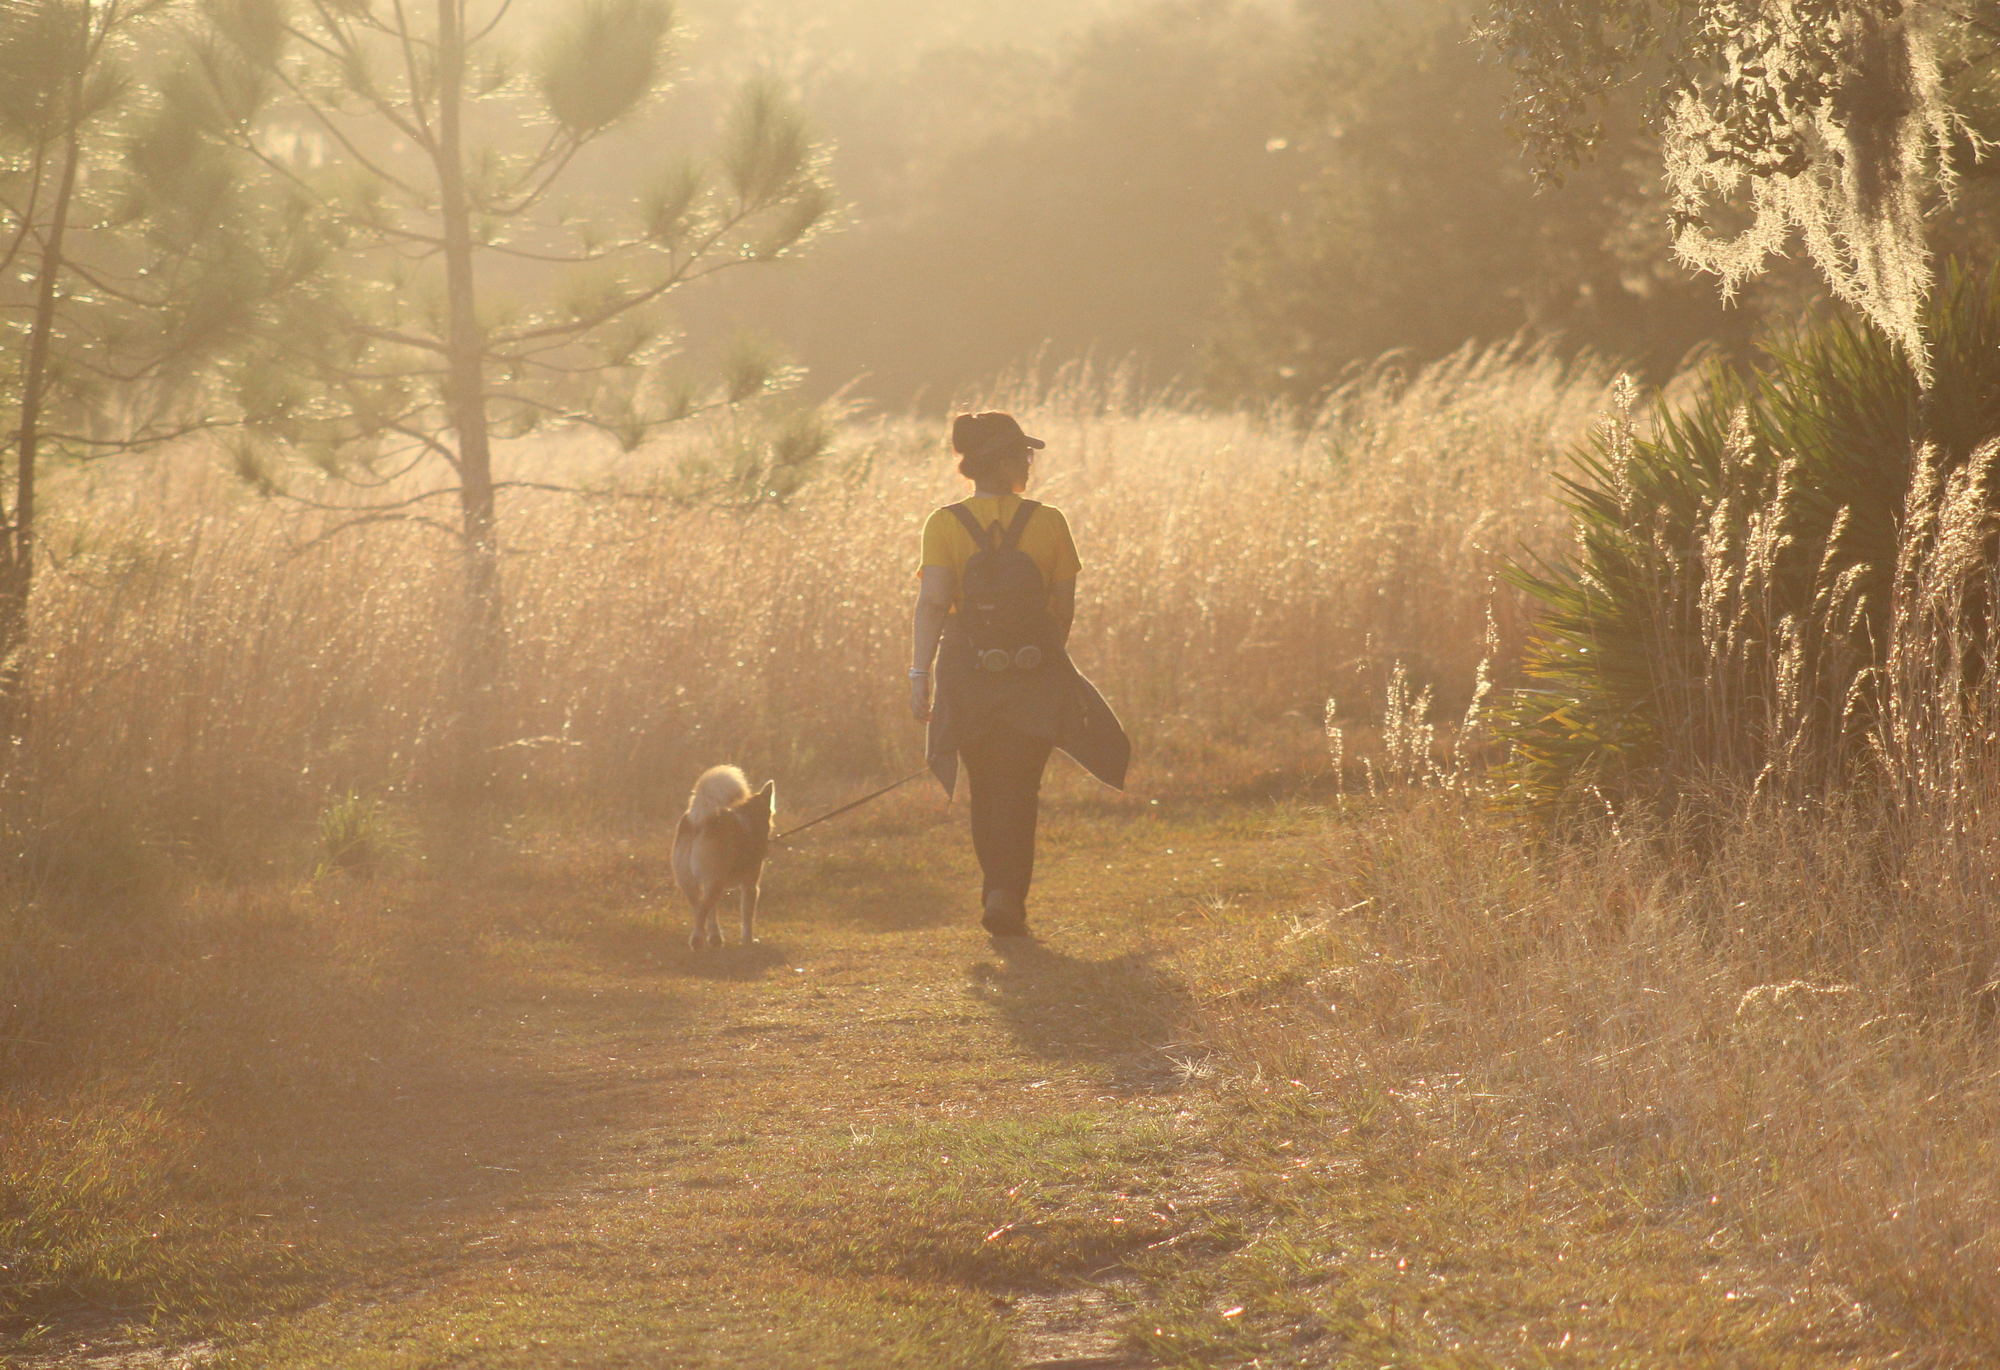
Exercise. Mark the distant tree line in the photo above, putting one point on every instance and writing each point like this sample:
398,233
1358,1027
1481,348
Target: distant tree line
1253,201
1422,228
1243,201
1007,201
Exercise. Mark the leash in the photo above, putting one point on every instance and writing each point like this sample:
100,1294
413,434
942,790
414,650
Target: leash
855,805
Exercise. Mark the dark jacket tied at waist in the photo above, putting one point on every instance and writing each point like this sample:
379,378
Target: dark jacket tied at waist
1053,701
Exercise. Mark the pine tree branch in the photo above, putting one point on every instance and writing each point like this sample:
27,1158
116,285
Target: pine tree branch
96,280
350,376
429,441
589,420
431,241
528,170
537,194
36,178
144,372
679,273
144,438
398,511
368,330
491,24
348,525
409,43
387,507
382,480
530,402
563,333
325,120
562,259
546,487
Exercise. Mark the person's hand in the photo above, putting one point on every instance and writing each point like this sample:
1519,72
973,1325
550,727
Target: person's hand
920,698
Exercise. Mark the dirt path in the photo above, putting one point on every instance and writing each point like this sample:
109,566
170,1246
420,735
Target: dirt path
877,1137
880,1138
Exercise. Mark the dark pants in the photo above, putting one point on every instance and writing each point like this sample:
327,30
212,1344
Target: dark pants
1004,768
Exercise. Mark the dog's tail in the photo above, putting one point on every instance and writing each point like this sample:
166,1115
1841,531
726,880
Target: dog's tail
719,788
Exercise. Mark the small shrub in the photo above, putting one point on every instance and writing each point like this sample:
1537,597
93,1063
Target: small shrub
360,833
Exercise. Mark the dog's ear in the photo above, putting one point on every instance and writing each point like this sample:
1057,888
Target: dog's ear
768,796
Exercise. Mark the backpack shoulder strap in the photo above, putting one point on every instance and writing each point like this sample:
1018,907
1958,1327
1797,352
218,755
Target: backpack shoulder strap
1019,525
981,539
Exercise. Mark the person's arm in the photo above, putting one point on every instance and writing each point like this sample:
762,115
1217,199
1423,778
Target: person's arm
1062,607
1062,578
934,593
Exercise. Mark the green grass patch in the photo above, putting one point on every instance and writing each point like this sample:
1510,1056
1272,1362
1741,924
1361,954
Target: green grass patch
891,1247
1004,1204
95,1213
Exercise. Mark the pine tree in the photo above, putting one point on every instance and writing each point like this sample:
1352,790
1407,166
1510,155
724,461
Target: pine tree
402,148
121,276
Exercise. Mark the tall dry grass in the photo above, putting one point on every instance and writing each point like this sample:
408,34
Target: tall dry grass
225,703
1768,1012
1780,1042
206,676
1775,1019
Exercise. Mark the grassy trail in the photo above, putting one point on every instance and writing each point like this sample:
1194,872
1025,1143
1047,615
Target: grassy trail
596,1147
879,1138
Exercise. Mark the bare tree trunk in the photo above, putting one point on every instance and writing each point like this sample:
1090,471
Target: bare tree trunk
465,400
17,549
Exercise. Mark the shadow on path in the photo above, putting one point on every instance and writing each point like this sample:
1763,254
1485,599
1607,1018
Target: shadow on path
1116,1013
447,1069
879,892
658,946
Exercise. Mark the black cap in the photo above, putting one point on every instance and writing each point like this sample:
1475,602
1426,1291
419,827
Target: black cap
990,435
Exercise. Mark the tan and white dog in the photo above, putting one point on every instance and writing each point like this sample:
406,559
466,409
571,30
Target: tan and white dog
720,846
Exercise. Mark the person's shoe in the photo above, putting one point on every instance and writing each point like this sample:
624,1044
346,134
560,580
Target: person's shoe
1003,917
1002,924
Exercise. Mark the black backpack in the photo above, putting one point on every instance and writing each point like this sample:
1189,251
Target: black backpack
1002,602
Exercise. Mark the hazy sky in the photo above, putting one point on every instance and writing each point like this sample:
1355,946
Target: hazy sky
1020,179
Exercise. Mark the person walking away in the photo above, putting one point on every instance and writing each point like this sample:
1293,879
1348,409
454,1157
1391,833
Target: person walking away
996,598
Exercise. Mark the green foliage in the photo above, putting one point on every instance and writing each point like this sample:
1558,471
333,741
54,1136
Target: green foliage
604,60
1729,607
81,1219
1421,228
765,152
382,364
1831,118
255,29
53,74
123,267
102,861
748,369
361,834
669,208
802,211
762,460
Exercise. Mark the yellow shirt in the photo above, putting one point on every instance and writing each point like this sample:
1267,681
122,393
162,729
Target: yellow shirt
1046,539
